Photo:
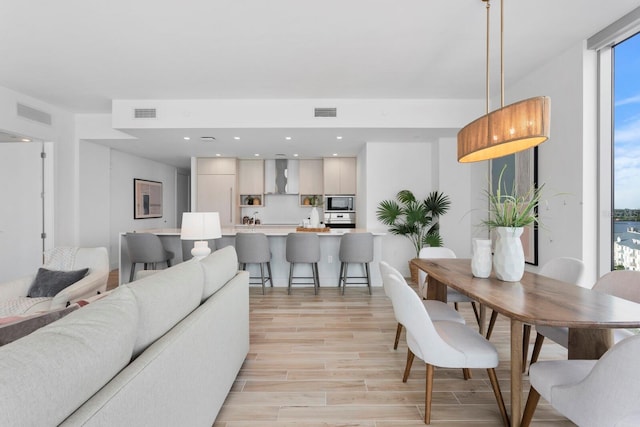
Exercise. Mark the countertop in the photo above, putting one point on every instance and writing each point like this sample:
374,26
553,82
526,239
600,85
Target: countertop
269,230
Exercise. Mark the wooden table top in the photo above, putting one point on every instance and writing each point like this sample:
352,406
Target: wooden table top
536,299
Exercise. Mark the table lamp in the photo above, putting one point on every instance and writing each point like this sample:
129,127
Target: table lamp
200,226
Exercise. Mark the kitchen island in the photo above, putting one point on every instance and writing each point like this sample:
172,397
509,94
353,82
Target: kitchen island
329,265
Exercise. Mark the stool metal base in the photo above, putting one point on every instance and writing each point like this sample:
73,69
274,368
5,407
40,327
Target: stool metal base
315,277
262,278
344,267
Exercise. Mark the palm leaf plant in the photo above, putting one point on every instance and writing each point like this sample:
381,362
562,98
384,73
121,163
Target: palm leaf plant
415,219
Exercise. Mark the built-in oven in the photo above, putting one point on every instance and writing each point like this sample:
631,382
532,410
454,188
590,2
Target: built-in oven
340,219
339,204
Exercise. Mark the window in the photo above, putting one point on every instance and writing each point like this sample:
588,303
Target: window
626,155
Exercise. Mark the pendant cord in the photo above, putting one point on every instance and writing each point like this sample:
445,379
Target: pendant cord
501,53
487,83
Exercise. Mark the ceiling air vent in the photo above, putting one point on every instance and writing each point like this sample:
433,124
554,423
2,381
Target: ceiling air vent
325,112
144,113
33,114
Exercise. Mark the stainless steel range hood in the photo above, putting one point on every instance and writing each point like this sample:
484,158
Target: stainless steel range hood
281,176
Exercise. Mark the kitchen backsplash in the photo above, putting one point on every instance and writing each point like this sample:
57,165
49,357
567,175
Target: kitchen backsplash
279,209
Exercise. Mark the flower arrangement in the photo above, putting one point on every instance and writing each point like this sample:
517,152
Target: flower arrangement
509,209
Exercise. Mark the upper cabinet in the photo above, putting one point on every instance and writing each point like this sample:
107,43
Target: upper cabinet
251,176
311,181
216,166
251,182
340,175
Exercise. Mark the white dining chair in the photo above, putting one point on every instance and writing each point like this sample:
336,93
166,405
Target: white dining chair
591,393
620,283
443,344
452,295
437,310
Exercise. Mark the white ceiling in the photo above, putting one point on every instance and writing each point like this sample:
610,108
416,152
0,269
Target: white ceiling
82,54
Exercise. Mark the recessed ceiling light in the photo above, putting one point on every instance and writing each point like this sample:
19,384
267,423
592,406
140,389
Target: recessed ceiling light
218,154
187,138
236,137
335,154
295,155
257,155
25,140
288,138
338,137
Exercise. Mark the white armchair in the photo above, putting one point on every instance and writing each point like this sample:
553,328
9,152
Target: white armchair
598,393
13,294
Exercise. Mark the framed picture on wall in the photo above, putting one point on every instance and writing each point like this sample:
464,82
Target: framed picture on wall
522,170
147,199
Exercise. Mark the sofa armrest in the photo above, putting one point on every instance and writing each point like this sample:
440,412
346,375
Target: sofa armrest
16,288
86,287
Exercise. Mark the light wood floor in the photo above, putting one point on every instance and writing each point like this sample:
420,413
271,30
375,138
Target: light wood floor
328,360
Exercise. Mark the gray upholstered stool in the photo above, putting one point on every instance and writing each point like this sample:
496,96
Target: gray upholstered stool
253,248
304,248
355,248
146,248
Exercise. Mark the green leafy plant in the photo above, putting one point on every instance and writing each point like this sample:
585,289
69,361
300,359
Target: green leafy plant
415,219
509,209
316,200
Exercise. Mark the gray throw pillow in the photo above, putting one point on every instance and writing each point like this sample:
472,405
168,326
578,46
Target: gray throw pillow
49,282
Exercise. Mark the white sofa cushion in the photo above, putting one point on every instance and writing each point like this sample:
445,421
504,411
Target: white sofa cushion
49,373
219,268
164,299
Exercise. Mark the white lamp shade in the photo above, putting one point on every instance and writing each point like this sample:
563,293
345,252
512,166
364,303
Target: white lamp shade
200,226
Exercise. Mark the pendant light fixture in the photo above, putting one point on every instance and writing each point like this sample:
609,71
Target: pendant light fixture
506,130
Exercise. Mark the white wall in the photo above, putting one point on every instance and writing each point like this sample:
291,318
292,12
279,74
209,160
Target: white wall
561,162
94,179
124,168
65,155
392,167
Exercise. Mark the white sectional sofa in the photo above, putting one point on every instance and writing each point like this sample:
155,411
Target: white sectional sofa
161,351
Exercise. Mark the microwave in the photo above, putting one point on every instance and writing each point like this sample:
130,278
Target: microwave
339,203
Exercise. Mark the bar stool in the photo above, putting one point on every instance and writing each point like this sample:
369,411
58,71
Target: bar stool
148,249
253,248
356,248
303,248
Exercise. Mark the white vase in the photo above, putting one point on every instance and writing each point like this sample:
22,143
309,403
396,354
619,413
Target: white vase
481,259
508,259
314,218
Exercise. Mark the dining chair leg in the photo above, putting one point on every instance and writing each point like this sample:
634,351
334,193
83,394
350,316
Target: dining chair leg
526,335
466,373
496,391
428,394
530,407
475,312
407,368
398,331
492,323
536,348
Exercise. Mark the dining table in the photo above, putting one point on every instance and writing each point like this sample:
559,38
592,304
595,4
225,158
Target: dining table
535,300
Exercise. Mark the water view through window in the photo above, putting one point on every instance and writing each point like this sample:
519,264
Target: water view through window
626,155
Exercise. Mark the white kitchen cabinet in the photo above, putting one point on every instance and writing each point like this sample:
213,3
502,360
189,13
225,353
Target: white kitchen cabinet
339,175
216,188
216,193
310,178
251,181
215,165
